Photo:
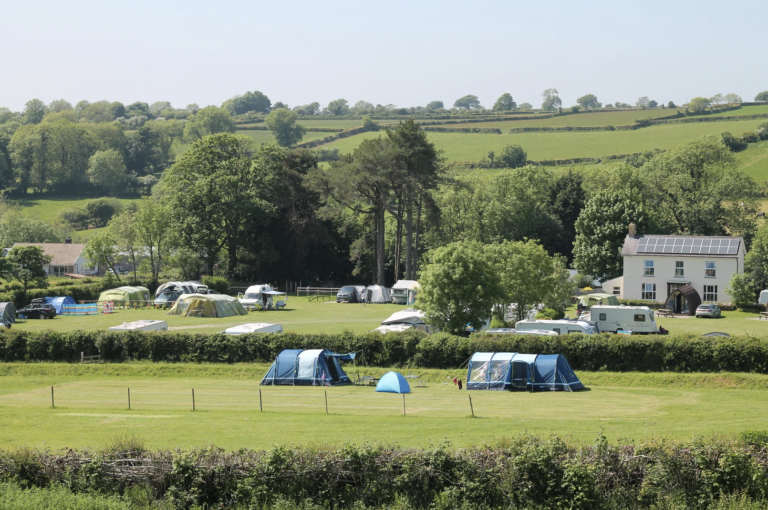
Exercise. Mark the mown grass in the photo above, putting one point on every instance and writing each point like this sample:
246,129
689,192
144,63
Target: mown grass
754,160
300,316
91,407
47,208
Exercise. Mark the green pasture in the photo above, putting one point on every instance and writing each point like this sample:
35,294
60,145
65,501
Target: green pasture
592,144
47,208
300,316
268,137
603,118
744,110
92,408
754,160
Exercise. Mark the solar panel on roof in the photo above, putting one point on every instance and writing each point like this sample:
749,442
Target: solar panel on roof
687,245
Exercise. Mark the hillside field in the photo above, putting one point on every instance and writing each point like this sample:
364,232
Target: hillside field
91,408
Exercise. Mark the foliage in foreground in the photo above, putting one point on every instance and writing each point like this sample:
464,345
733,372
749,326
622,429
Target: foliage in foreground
616,353
526,472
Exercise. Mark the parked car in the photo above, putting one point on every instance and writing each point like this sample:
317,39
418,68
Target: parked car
168,297
347,293
37,311
708,310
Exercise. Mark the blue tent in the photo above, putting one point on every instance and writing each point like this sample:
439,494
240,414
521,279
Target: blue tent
58,301
312,367
393,382
515,371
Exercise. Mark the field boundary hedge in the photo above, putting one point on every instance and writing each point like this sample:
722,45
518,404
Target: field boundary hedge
523,472
461,130
78,291
615,353
328,139
546,162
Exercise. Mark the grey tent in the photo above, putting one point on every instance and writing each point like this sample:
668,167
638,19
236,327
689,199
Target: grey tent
8,312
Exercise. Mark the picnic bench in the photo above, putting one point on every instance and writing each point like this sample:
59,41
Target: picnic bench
415,378
663,312
366,380
763,315
90,359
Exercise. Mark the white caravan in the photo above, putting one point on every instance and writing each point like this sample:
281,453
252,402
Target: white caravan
404,292
632,319
254,327
144,325
561,327
262,295
405,320
512,331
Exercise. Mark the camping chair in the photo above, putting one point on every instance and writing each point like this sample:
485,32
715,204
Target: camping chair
280,304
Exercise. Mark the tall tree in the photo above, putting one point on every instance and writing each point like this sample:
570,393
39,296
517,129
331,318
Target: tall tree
106,170
338,107
208,121
123,228
550,100
588,101
34,111
249,102
566,201
282,123
155,232
468,102
101,251
504,103
26,265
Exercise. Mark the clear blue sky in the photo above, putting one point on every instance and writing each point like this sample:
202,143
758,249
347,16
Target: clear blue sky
405,53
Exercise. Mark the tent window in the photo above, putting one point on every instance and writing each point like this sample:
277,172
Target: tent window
332,368
498,370
603,317
519,375
639,317
479,371
649,269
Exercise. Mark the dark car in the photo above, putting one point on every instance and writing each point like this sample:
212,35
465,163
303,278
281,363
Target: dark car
38,311
347,293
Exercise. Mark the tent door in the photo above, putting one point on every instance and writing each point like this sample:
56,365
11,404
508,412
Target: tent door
332,370
520,375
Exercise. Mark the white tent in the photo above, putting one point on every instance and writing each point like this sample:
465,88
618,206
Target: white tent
377,294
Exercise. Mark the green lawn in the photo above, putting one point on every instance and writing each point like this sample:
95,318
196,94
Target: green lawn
595,144
301,316
47,208
91,408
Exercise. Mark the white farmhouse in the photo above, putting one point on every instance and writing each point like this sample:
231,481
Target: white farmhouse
681,271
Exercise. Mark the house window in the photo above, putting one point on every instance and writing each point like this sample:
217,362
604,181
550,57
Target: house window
617,291
711,270
648,268
710,293
649,291
679,268
603,317
639,317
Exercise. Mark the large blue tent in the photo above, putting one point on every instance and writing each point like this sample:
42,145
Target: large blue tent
515,371
311,367
393,382
56,302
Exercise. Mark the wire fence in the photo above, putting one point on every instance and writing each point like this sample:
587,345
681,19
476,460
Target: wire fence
265,399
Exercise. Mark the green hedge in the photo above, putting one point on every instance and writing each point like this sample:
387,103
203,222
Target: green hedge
524,472
462,130
78,291
651,353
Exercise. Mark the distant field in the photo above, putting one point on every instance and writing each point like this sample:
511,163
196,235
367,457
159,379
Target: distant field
606,118
595,144
91,408
754,161
267,137
301,316
48,208
745,110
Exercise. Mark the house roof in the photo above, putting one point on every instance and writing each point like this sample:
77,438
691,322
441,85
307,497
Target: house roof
683,245
64,254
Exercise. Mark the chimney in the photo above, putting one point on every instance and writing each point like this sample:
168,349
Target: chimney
67,240
632,230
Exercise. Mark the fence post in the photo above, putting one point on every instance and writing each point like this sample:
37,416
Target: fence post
326,402
471,407
52,403
261,408
193,399
403,404
129,399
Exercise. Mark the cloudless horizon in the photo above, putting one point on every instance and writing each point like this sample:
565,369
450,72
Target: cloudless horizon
397,52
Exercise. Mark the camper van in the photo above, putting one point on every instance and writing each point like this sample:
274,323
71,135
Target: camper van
512,331
262,295
561,327
634,319
145,325
254,327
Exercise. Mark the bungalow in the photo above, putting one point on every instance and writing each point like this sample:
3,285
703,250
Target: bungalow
678,270
66,258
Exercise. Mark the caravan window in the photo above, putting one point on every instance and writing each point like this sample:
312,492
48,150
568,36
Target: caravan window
556,330
639,317
603,317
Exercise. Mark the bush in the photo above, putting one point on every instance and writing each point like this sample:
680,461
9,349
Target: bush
78,219
513,156
750,137
369,124
217,283
733,143
762,131
550,314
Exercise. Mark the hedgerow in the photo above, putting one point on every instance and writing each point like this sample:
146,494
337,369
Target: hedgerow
651,353
524,472
78,291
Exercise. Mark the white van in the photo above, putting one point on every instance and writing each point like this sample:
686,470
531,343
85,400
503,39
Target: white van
145,325
254,327
262,295
561,326
512,331
632,319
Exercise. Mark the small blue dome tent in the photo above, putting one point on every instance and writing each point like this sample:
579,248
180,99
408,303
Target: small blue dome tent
515,371
393,382
56,302
311,367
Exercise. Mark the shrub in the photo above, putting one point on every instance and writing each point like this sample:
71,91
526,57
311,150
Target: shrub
750,137
513,156
217,283
369,124
733,143
550,314
762,131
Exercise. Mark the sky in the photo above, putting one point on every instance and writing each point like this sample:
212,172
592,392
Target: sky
405,53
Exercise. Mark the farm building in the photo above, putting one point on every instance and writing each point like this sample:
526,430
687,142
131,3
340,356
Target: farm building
656,267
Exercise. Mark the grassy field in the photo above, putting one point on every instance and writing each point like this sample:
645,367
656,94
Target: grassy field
607,118
91,408
474,147
745,110
268,137
754,160
301,316
48,208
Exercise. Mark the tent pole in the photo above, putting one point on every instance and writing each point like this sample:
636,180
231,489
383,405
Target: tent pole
471,407
403,404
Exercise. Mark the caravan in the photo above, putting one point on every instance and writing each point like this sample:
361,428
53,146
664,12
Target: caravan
263,296
404,321
629,319
254,327
142,325
561,327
